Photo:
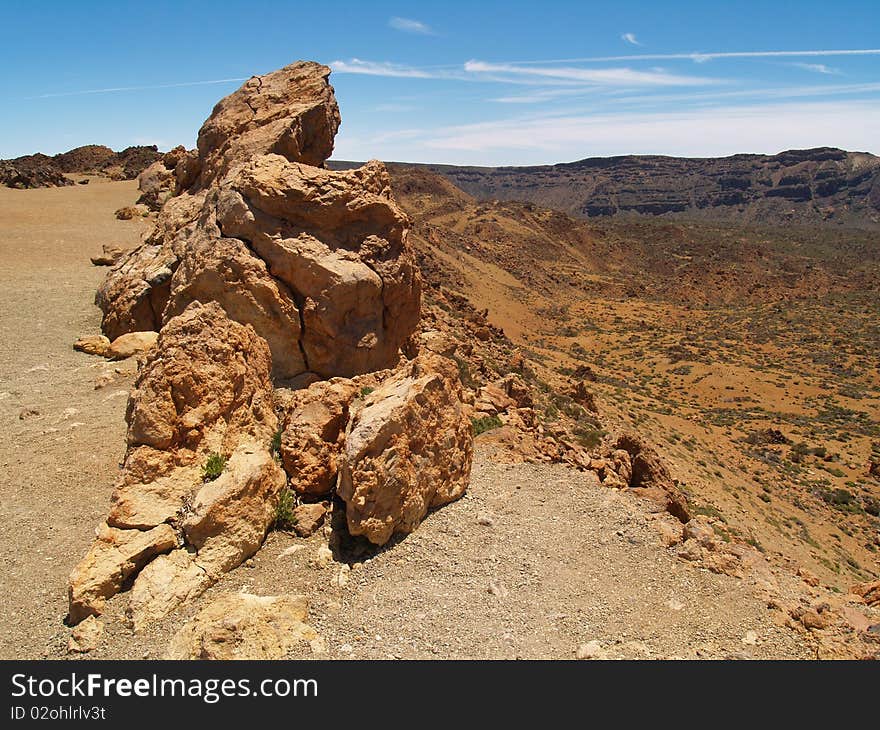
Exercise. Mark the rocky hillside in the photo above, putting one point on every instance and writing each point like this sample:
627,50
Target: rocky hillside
742,351
797,186
43,171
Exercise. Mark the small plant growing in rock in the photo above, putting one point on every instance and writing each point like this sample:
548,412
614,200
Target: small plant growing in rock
213,467
486,423
275,446
284,517
366,390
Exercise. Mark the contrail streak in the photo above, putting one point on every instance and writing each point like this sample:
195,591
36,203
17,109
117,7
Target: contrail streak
697,56
115,89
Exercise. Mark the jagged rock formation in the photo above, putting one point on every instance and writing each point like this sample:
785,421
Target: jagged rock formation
204,390
43,171
265,270
800,186
316,261
32,171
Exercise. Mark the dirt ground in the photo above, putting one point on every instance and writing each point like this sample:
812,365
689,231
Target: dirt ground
534,561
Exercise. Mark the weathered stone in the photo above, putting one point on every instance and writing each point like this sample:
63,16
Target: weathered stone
86,636
408,448
307,518
244,626
92,345
163,585
131,343
229,517
291,112
109,256
204,389
113,558
870,592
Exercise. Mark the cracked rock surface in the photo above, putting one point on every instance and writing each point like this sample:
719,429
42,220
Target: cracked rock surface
315,261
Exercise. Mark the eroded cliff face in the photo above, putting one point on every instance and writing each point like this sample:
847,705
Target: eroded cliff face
805,186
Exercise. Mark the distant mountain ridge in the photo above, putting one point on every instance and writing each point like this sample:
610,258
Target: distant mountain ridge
796,186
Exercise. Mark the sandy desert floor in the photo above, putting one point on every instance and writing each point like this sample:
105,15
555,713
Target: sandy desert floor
557,562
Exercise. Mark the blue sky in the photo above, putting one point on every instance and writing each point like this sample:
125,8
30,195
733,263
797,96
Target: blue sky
465,83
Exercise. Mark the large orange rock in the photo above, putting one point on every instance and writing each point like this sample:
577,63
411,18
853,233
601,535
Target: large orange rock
291,112
316,261
408,449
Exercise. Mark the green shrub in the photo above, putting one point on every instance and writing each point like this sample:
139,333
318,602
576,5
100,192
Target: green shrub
486,423
275,446
366,390
589,438
284,517
213,467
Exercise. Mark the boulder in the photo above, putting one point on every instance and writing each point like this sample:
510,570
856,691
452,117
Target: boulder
108,257
114,557
649,475
244,626
408,449
167,582
493,400
207,375
132,343
86,636
312,434
307,518
92,345
870,592
154,183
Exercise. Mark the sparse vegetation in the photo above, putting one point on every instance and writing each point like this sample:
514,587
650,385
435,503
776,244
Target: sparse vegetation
486,423
284,517
213,467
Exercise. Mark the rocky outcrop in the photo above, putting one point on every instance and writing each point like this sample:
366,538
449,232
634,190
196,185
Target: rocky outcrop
203,391
244,626
43,171
32,171
266,270
408,449
316,261
313,434
631,462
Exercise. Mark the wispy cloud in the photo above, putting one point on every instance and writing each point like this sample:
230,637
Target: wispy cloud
116,89
384,68
700,57
631,39
819,68
408,25
601,76
543,95
761,128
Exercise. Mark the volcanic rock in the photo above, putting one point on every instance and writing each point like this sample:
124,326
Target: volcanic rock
408,448
204,389
244,626
316,261
108,257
